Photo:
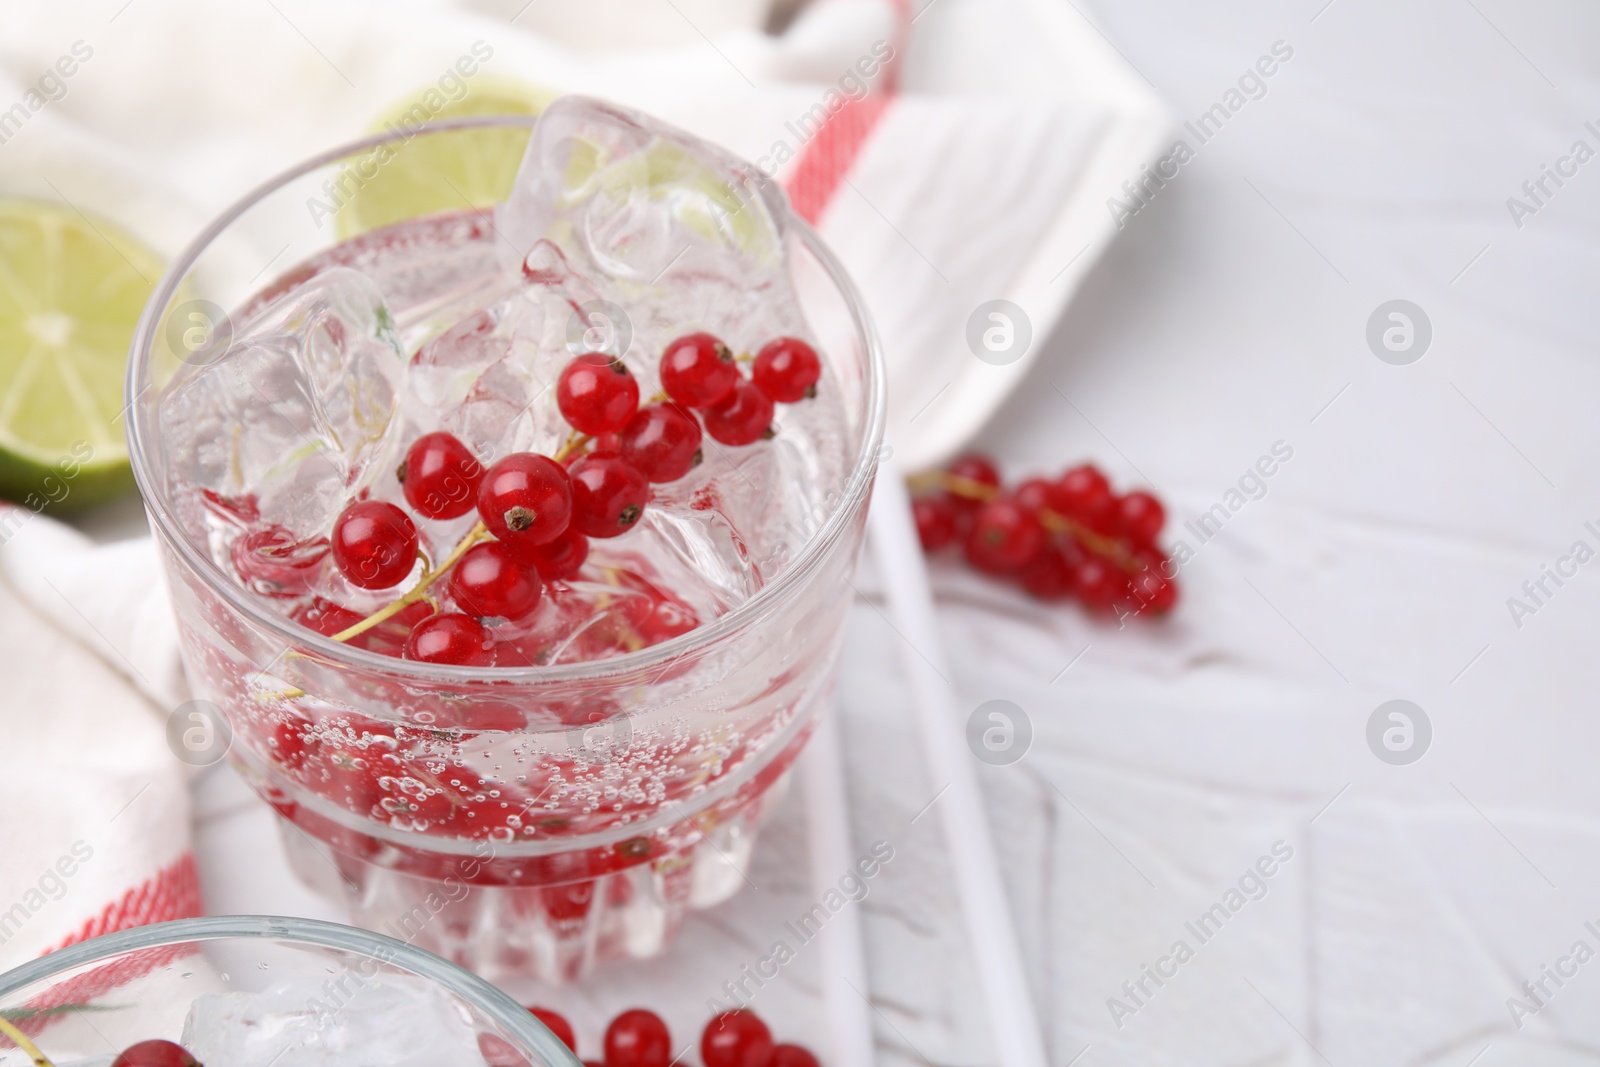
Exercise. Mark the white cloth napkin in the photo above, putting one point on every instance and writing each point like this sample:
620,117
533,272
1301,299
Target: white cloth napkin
982,178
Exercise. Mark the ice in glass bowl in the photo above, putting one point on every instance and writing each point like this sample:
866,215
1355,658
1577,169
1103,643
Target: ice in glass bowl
251,991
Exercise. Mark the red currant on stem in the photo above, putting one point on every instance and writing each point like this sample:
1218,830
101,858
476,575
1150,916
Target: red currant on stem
1049,577
440,476
525,499
742,419
557,1024
1084,494
597,394
374,544
451,638
1140,516
736,1039
787,370
608,495
1005,537
489,581
638,1038
662,441
697,370
1099,583
936,519
560,559
155,1053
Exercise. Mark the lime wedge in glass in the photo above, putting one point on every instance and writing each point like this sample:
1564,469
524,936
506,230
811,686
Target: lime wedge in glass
71,290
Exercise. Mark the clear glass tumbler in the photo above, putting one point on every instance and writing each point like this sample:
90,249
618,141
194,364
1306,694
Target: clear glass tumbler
337,994
580,809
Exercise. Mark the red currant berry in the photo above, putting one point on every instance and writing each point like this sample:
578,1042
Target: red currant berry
155,1054
936,521
1154,589
608,495
1099,583
440,476
742,419
792,1056
488,581
559,560
324,617
1083,493
1033,494
1049,577
787,370
451,638
557,1024
697,370
274,564
374,544
1004,538
525,499
638,1038
597,394
736,1039
1139,517
976,469
663,441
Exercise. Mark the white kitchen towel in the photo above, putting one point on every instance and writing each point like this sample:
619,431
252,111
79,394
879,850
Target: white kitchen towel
945,168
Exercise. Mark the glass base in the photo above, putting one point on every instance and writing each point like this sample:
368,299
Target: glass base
548,933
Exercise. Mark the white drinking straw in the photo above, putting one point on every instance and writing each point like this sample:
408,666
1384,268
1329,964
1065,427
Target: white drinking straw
942,724
844,965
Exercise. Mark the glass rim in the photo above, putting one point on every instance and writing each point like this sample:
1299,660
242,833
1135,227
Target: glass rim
483,995
789,579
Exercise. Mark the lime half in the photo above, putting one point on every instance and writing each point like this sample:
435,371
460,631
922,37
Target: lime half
71,290
441,172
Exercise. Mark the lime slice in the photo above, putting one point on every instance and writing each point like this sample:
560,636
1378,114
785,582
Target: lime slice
71,290
442,172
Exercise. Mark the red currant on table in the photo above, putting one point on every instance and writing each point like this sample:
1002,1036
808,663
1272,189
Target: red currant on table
697,370
557,1024
1084,494
787,370
792,1056
525,499
736,1039
1153,589
1099,583
937,520
156,1053
560,559
451,638
608,495
1140,516
977,469
489,581
374,544
440,476
638,1038
1049,577
597,394
1005,537
742,419
662,441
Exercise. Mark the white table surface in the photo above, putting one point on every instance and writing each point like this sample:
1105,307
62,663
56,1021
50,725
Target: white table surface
1168,758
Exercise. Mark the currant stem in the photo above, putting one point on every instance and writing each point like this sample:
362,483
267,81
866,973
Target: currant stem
417,592
574,443
1053,521
22,1042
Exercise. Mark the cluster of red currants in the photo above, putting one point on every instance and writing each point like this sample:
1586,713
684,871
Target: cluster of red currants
537,513
639,1038
1071,537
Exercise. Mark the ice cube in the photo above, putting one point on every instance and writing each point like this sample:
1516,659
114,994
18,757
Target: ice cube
347,1020
299,409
